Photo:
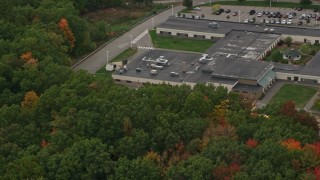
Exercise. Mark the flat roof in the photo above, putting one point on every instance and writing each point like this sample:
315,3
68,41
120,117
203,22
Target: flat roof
202,25
312,68
241,44
229,67
287,68
247,88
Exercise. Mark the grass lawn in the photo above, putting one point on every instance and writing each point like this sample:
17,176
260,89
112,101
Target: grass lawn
264,3
103,74
180,43
297,93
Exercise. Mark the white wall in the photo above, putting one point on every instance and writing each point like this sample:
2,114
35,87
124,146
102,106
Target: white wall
300,39
190,33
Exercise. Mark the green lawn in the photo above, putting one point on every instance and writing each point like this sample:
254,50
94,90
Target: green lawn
297,93
103,74
264,3
180,43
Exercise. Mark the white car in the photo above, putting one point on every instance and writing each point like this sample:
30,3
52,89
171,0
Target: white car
289,22
267,21
283,21
197,8
246,21
259,14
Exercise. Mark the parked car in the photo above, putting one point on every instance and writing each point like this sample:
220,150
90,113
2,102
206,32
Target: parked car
270,16
221,10
316,10
197,8
267,21
285,16
279,15
283,22
262,21
252,12
228,11
234,13
278,21
259,14
289,22
267,13
246,21
299,8
300,23
272,21
252,20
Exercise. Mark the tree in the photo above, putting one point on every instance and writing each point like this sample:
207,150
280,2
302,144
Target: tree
241,0
188,3
292,144
215,7
30,100
276,56
288,41
305,2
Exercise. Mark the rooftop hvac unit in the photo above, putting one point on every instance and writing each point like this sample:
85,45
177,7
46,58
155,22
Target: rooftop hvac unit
156,67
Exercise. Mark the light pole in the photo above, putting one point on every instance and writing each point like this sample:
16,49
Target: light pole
270,3
152,19
171,10
130,40
239,16
210,2
107,57
317,20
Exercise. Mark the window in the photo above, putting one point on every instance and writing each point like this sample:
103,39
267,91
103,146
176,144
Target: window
316,42
128,81
117,80
289,78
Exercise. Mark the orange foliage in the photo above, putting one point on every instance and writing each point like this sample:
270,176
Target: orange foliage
30,100
289,109
252,143
292,144
64,27
29,58
152,156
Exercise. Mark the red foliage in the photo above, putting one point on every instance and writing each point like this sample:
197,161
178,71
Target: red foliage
316,172
64,27
307,119
252,143
292,144
43,143
226,172
315,147
289,109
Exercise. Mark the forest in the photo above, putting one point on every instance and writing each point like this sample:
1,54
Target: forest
56,123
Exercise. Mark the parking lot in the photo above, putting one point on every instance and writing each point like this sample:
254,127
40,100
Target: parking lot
233,15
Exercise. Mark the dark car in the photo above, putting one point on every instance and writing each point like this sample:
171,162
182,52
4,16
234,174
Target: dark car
221,10
300,23
252,12
267,13
279,16
299,8
270,16
228,11
234,13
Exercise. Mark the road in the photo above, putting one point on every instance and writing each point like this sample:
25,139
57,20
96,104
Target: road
98,59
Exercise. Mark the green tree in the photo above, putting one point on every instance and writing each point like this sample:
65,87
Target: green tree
288,41
85,159
188,3
136,169
276,56
305,2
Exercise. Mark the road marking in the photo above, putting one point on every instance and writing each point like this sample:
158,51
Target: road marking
140,36
143,47
123,45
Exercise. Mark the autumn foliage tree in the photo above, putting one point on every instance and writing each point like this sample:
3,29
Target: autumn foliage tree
252,143
30,100
292,144
28,58
64,27
226,172
288,109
